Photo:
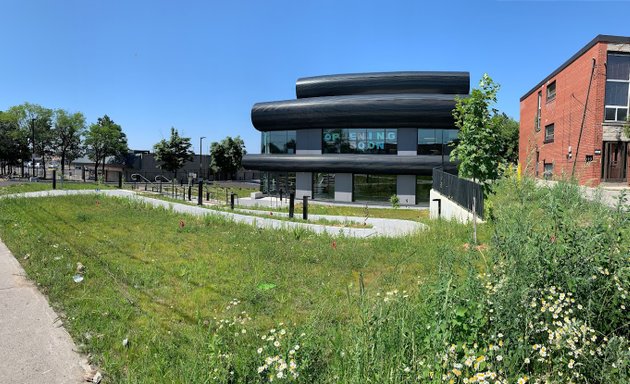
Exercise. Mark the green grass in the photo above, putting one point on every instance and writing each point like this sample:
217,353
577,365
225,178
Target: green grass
161,285
47,186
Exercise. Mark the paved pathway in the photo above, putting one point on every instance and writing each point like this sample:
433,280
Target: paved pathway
380,227
34,347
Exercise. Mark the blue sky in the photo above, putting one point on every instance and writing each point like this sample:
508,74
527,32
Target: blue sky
200,65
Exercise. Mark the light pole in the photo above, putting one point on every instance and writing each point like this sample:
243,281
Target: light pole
33,143
200,156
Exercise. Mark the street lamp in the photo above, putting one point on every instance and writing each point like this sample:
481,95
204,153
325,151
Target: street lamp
200,156
33,143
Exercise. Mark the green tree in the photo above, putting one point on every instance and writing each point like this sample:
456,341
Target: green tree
14,144
33,116
507,129
227,155
67,136
174,153
104,138
479,149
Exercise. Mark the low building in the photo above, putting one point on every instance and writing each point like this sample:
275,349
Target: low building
359,137
572,121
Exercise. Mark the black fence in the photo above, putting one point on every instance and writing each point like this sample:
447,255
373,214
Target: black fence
459,190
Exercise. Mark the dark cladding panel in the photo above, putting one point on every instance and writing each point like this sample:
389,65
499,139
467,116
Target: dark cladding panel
362,111
383,83
371,164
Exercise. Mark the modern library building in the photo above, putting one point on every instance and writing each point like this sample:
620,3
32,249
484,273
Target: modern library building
359,137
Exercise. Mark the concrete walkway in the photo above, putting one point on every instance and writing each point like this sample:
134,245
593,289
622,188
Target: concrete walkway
34,347
379,227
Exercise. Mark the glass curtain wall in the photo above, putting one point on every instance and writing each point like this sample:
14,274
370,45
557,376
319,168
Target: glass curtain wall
423,187
323,186
437,141
282,142
272,182
373,187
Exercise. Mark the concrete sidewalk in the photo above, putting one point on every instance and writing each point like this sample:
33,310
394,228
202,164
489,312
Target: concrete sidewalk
34,347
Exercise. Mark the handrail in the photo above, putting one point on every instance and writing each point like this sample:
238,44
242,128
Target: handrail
135,177
164,178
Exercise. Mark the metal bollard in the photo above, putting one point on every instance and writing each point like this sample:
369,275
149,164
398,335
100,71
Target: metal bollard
207,195
160,186
281,195
120,180
189,192
200,193
305,207
291,204
54,179
232,201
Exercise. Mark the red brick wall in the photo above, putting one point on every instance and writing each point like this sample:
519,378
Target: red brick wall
566,112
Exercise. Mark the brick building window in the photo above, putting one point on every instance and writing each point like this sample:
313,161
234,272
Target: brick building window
617,87
538,110
549,132
551,91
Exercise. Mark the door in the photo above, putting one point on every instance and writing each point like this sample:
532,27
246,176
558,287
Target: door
615,158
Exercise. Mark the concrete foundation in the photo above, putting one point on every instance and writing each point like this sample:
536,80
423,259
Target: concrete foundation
448,209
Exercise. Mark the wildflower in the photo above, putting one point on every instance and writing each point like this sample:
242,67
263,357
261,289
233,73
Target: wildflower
407,369
571,363
543,351
276,344
499,358
457,372
259,350
522,380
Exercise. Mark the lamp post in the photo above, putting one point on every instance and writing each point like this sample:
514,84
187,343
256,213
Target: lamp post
200,155
33,144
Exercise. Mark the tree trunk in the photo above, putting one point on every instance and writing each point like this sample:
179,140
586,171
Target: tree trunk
96,171
63,163
44,166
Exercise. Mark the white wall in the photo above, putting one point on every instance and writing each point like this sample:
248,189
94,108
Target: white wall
450,210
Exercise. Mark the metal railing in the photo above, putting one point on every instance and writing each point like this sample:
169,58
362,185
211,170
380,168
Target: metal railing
463,192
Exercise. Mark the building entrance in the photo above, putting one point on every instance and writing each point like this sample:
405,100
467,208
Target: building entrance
615,161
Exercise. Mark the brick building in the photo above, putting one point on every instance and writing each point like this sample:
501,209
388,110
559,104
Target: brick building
572,121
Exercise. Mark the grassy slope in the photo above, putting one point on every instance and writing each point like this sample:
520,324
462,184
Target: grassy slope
156,283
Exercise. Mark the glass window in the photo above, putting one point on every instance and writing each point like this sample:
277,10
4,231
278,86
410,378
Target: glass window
324,186
618,66
271,183
549,133
278,142
436,141
373,187
617,93
551,91
617,87
357,140
423,187
428,142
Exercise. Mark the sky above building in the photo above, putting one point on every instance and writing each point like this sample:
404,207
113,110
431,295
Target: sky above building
199,66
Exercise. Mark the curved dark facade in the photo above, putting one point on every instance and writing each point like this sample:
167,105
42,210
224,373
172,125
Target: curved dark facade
383,165
359,136
356,111
383,83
